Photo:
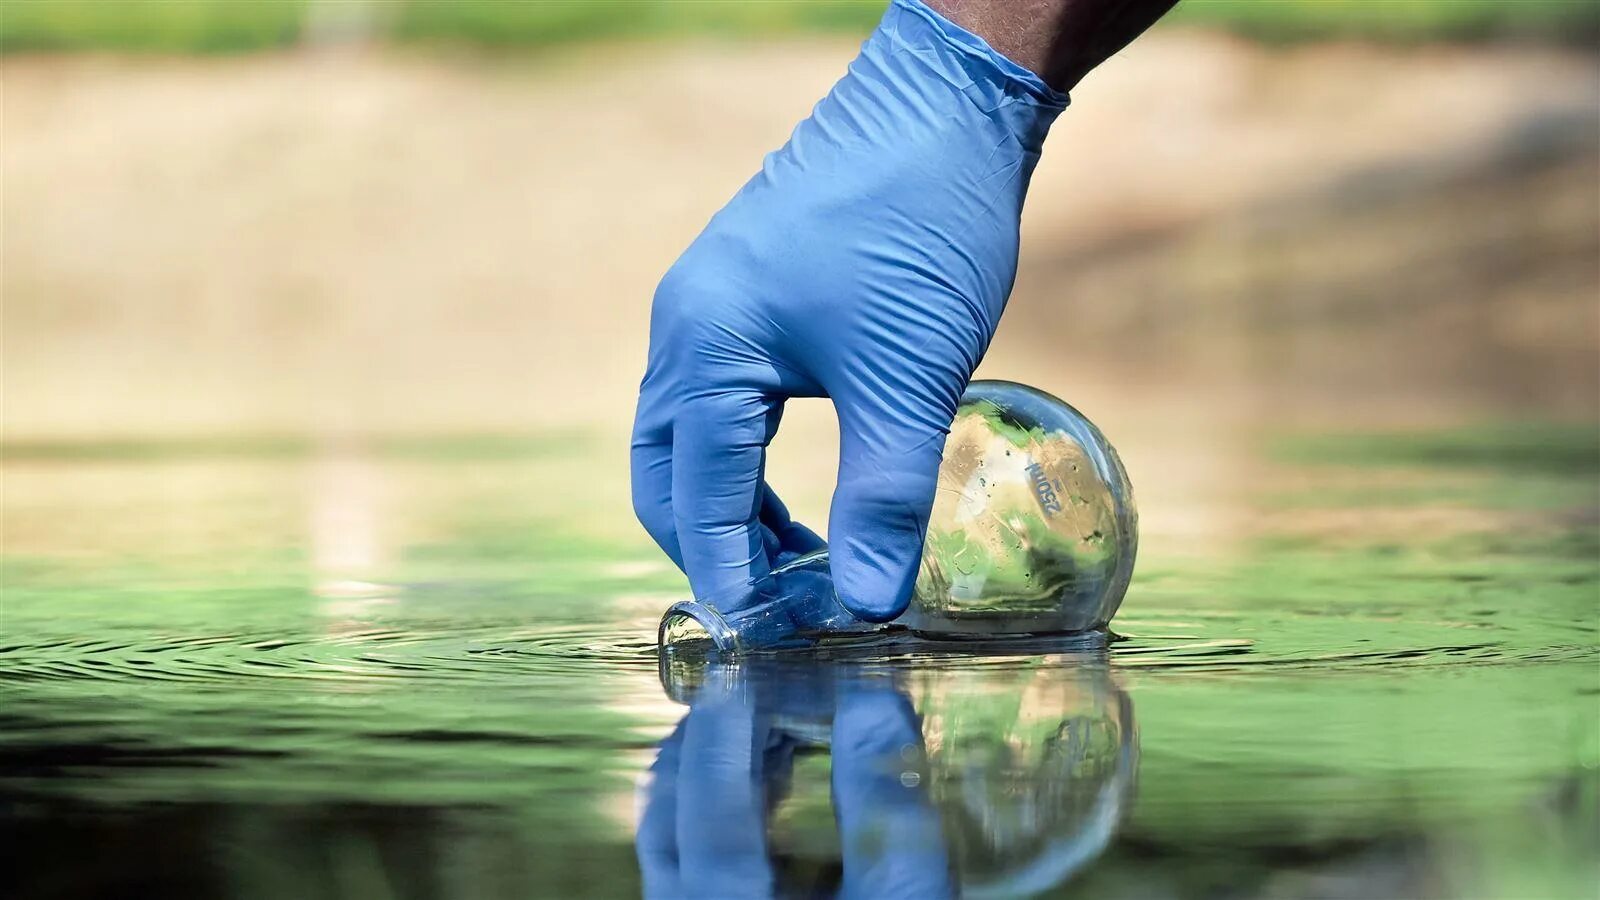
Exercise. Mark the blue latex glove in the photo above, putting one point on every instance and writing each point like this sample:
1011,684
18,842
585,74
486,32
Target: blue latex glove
868,262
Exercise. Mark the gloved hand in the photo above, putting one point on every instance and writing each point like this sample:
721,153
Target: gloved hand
867,262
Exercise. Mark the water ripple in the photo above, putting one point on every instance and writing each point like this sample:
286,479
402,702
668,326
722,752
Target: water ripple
366,654
383,654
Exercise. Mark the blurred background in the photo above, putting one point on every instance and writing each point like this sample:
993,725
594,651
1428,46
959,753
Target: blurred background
323,322
340,220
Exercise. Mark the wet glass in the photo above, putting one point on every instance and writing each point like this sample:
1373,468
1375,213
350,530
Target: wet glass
1033,532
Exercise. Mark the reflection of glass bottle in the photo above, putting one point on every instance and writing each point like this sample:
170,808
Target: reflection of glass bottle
1031,768
937,781
1033,531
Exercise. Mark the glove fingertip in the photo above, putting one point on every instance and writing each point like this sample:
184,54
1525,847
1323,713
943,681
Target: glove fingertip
872,587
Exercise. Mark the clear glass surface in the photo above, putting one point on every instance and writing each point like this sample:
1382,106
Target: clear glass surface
1033,527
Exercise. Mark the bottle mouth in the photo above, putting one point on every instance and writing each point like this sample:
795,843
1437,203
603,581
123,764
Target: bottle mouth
793,609
690,625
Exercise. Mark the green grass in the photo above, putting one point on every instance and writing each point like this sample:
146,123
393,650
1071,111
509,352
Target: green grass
493,23
227,26
1566,21
149,26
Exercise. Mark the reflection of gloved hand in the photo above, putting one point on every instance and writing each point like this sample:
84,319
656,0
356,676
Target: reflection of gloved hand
893,843
703,832
868,262
719,775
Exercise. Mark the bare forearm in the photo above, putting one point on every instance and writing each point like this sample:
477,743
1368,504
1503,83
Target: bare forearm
1060,40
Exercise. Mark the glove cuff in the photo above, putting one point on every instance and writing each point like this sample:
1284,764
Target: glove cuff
998,85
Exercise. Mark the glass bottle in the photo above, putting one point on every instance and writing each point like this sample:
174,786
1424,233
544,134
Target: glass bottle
1033,527
1033,531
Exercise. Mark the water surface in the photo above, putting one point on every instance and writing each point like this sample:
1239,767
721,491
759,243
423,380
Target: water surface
422,669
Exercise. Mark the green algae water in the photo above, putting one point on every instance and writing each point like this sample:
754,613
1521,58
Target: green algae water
427,669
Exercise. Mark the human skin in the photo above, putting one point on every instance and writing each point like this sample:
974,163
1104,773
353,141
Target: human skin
1060,40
